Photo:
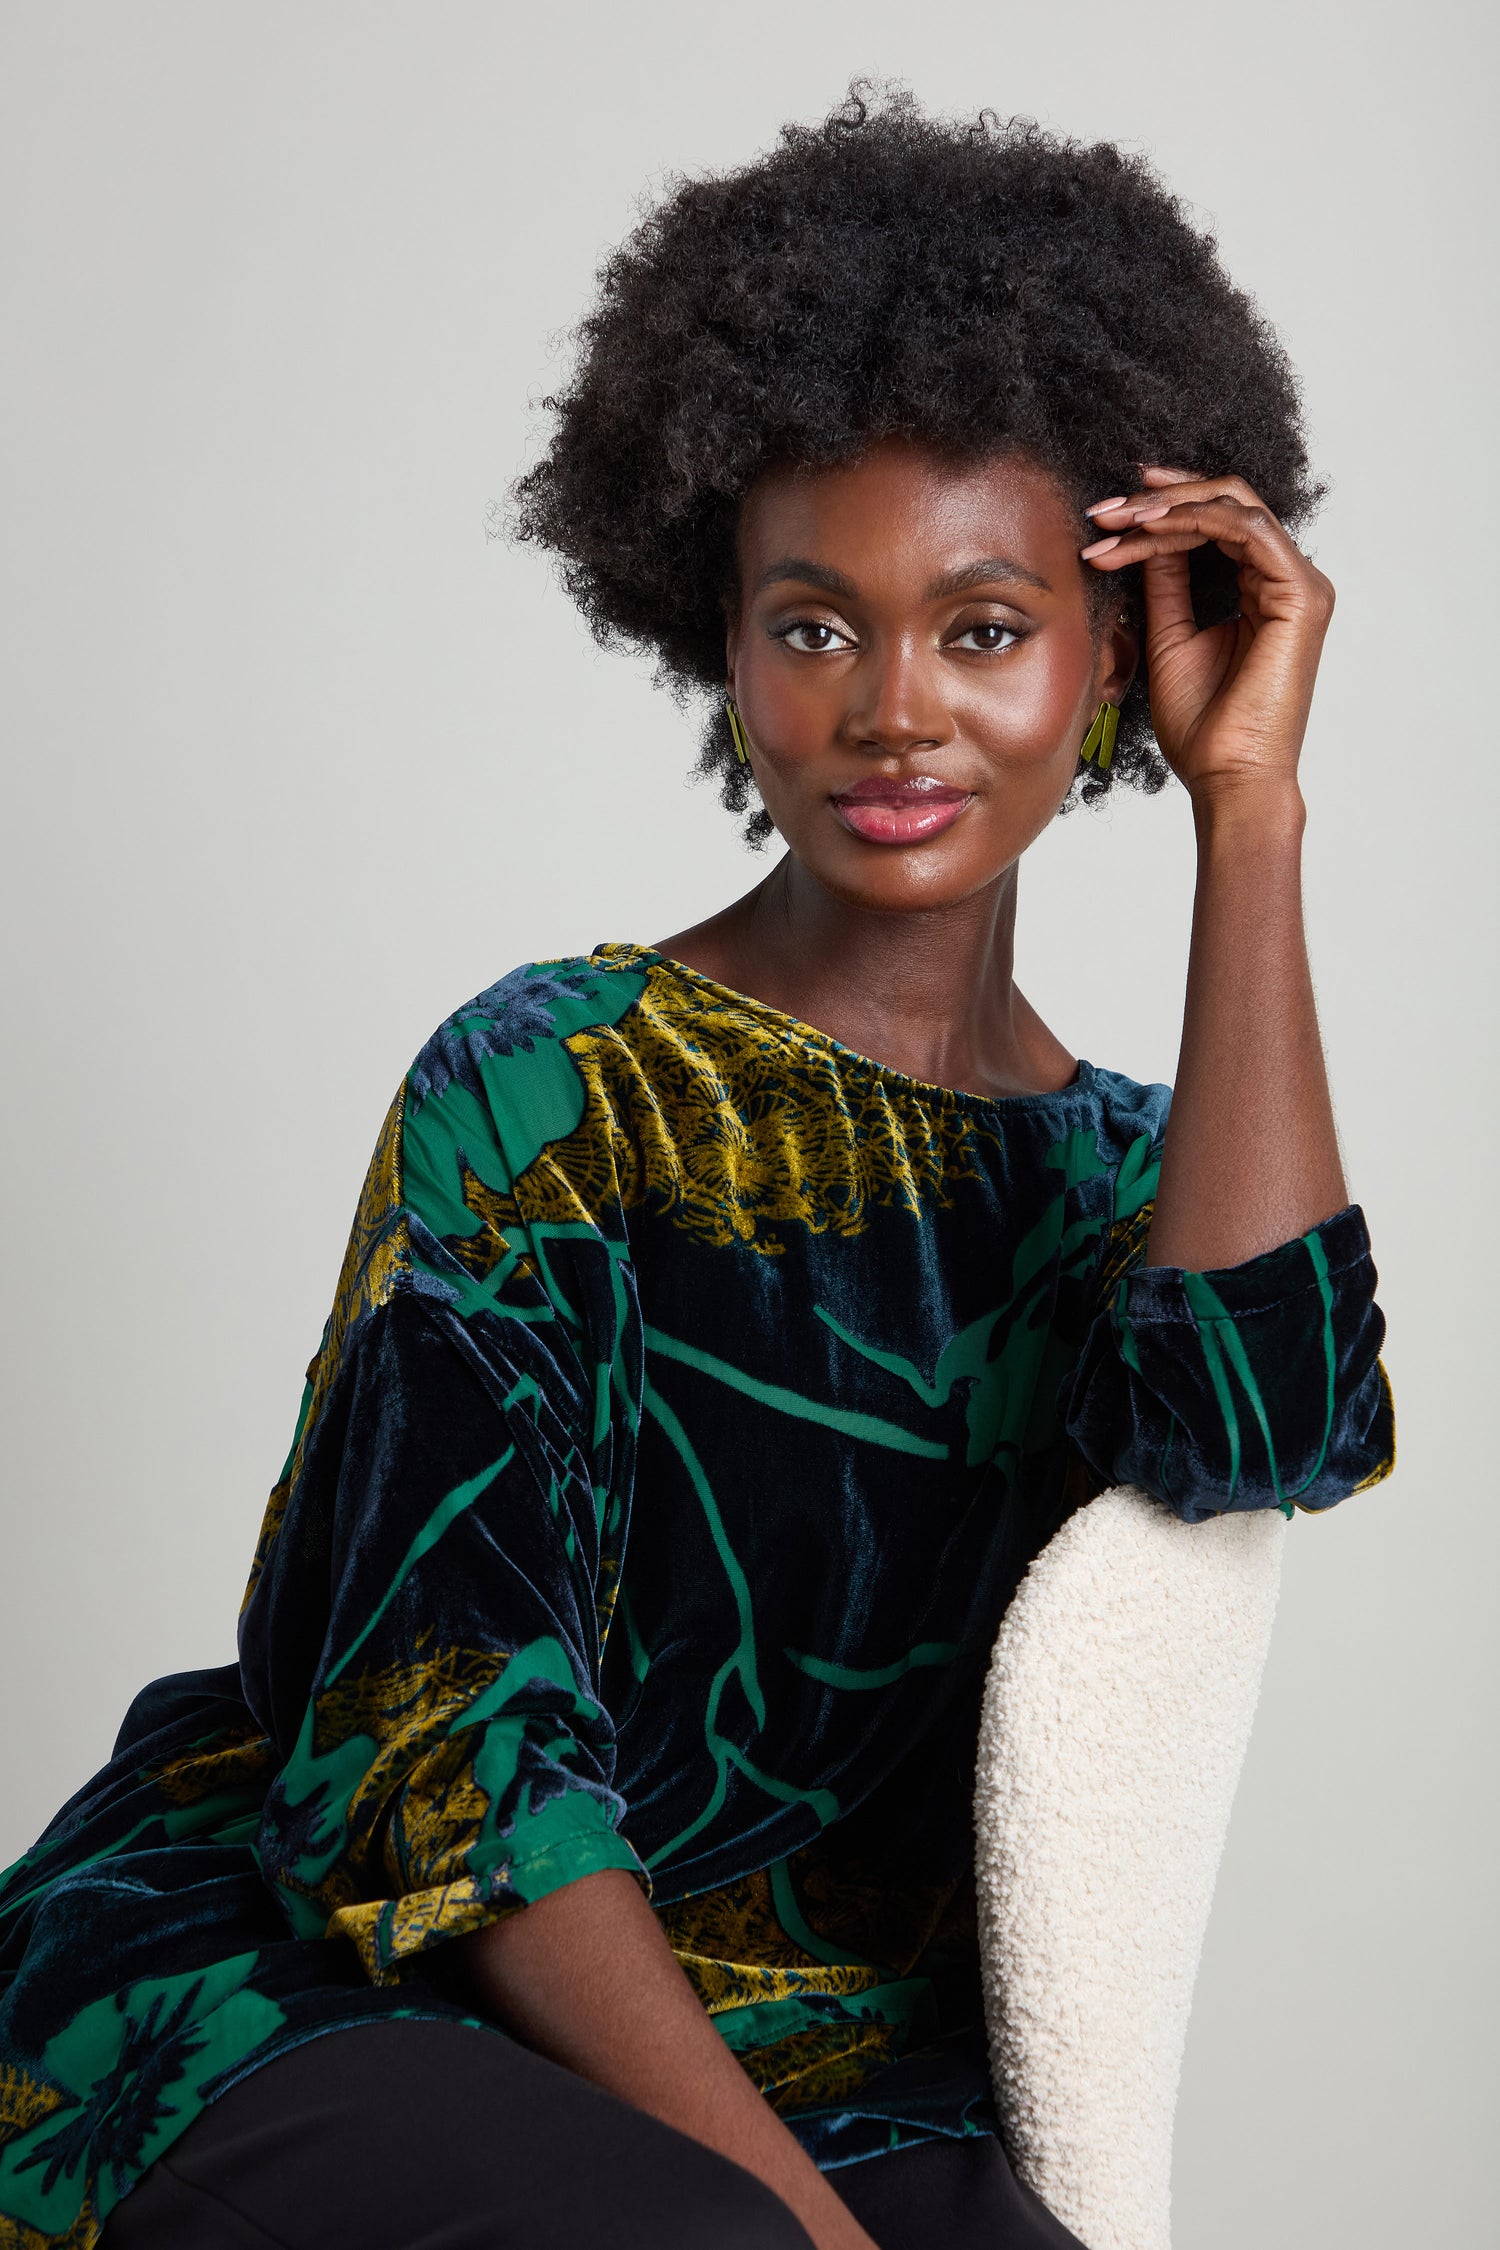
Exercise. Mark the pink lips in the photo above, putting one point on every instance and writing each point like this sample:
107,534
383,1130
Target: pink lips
900,812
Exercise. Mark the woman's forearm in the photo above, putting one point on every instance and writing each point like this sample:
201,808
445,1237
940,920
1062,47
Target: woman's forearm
586,1977
1251,1156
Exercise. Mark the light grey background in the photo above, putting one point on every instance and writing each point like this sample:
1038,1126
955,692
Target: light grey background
297,758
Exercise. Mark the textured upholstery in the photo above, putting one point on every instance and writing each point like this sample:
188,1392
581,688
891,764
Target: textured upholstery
1116,1716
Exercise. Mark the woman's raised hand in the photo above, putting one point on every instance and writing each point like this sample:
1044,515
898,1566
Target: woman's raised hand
1251,1156
1229,702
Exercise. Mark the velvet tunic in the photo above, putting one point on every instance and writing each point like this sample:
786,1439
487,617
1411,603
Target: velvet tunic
695,1393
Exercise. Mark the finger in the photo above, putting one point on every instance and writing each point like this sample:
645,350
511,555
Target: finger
1246,533
1169,601
1127,499
1122,548
1174,489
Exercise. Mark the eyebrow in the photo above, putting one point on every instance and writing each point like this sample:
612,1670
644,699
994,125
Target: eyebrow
986,573
808,574
990,570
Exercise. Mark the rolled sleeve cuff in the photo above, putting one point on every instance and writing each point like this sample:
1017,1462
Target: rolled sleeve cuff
1248,1386
1259,1285
388,1933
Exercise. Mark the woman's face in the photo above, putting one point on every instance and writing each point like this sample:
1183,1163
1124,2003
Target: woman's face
917,662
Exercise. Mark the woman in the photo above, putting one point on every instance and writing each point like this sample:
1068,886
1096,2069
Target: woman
728,1322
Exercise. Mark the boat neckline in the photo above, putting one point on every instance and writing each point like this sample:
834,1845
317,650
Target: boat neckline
626,954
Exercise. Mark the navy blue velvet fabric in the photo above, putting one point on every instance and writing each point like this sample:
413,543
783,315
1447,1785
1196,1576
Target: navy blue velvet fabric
694,1396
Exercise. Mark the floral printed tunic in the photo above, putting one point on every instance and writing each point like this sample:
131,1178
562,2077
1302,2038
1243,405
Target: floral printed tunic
696,1392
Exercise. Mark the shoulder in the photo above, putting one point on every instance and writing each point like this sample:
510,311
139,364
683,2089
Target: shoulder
1128,1107
517,1019
497,1070
496,1083
435,1218
1129,1120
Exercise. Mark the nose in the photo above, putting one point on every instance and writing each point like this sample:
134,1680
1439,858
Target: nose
895,702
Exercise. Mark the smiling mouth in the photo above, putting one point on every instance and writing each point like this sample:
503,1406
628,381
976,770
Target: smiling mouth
900,812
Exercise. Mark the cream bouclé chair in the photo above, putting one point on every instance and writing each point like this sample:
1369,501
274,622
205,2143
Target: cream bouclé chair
1116,1715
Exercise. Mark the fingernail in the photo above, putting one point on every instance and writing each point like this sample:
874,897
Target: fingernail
1102,507
1100,547
1150,515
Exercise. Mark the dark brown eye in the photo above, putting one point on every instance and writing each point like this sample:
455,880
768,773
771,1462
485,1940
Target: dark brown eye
811,636
989,636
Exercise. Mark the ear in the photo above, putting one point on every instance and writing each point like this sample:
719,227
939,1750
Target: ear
1119,655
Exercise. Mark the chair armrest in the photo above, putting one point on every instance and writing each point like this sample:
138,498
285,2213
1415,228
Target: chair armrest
1116,1716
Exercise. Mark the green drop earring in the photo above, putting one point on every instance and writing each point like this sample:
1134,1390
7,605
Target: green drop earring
1099,742
737,730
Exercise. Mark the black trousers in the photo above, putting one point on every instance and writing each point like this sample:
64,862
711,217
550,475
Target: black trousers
436,2136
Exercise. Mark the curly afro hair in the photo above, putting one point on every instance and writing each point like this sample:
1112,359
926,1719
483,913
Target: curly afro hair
980,287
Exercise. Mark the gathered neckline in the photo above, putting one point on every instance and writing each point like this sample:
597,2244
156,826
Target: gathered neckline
793,1027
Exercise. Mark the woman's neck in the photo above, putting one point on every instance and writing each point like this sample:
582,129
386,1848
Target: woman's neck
930,995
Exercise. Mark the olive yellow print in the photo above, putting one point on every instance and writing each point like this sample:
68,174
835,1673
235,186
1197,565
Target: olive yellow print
735,1123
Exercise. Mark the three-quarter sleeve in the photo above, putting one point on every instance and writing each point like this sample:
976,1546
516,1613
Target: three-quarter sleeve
1254,1386
424,1631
